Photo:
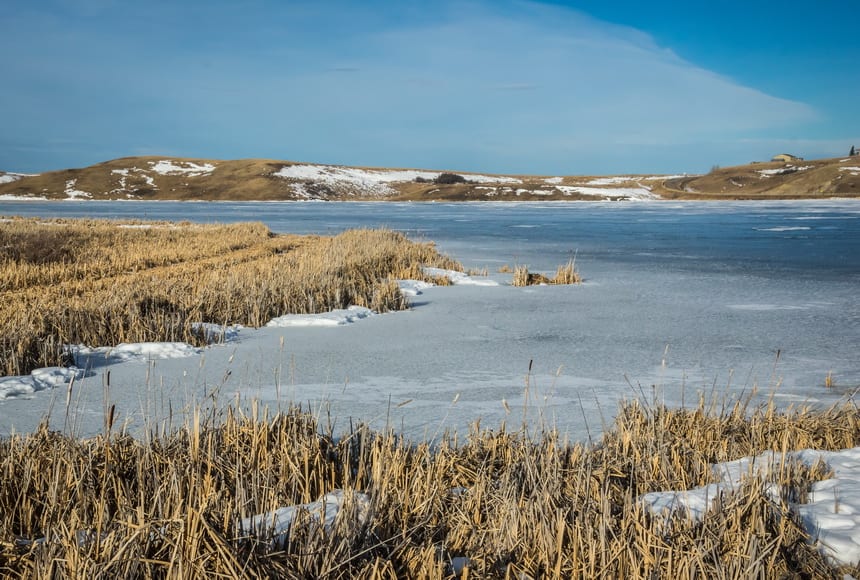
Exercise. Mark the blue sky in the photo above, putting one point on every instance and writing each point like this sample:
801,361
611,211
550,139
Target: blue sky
505,86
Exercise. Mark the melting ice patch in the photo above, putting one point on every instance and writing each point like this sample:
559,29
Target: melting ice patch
333,318
831,515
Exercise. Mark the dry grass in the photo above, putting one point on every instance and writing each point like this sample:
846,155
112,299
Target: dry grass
513,504
99,283
564,274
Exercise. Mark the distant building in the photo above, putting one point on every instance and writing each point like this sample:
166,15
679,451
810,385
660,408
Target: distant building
786,158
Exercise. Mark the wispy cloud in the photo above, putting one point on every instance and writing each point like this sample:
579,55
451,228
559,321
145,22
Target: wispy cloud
502,85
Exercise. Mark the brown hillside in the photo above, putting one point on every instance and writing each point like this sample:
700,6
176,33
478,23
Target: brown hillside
163,178
821,178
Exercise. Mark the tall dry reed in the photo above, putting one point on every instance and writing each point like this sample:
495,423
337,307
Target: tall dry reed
103,283
492,504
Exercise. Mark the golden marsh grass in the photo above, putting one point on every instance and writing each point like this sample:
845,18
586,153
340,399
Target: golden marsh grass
492,504
104,283
564,274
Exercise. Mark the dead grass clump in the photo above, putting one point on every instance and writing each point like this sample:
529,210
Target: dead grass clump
496,503
138,282
565,274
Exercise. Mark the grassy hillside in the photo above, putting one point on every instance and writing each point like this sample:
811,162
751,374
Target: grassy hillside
269,180
838,177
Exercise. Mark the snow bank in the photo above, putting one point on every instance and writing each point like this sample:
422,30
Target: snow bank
167,167
475,178
615,180
38,380
553,180
324,511
10,197
631,193
612,180
333,318
459,278
217,332
413,287
831,516
138,351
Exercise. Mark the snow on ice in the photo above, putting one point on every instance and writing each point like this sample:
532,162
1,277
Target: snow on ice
38,380
831,515
459,278
332,318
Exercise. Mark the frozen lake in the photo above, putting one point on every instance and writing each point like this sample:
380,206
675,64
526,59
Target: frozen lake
678,298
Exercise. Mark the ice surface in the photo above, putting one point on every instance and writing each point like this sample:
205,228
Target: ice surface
696,277
831,515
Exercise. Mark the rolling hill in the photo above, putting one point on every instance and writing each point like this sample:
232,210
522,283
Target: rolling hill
163,178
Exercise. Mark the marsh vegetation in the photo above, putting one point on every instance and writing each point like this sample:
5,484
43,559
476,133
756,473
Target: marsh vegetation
105,283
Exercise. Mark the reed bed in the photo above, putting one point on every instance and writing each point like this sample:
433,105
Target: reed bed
564,274
104,283
492,504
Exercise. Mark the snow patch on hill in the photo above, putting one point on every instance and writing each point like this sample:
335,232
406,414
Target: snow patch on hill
9,177
782,170
630,193
189,168
73,193
362,181
373,182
